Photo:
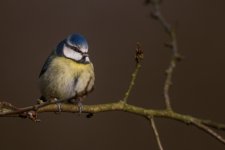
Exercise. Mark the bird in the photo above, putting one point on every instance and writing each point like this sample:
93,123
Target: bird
68,73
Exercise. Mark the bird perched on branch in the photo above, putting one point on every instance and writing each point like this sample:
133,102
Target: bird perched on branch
68,73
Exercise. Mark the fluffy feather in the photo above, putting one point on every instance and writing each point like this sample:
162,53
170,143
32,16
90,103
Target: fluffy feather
65,78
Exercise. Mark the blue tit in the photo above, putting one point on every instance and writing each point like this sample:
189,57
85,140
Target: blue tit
68,72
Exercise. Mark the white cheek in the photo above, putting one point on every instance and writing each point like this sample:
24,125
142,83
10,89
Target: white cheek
69,53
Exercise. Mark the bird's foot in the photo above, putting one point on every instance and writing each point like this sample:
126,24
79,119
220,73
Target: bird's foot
80,106
78,103
55,100
59,107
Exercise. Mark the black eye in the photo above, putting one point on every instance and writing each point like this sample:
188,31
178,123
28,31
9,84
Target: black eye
76,49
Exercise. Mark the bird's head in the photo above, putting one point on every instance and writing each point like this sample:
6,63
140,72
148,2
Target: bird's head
74,47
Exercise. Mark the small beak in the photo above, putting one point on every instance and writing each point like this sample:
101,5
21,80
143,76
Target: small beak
85,55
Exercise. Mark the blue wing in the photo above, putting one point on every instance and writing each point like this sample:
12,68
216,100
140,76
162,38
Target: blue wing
56,52
47,63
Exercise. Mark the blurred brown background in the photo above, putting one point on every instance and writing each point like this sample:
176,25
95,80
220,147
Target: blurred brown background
29,30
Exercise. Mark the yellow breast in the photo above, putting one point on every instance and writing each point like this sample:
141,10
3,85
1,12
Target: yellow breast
70,67
65,77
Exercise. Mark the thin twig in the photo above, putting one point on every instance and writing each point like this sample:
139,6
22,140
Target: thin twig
209,131
138,58
156,133
134,76
157,15
212,124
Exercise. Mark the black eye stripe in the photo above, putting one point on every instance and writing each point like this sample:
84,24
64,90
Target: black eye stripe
74,48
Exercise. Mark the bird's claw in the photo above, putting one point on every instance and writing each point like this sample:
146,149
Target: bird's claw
59,107
78,103
80,107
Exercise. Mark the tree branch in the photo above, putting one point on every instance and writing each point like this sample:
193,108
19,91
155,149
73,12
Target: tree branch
156,133
31,112
209,131
202,124
117,106
157,15
138,58
9,110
